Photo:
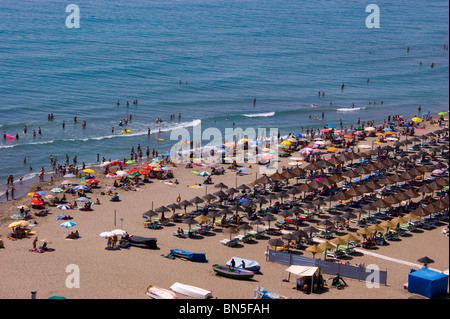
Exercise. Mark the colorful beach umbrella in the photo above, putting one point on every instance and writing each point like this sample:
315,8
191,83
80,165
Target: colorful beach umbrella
63,207
416,119
57,190
68,224
80,187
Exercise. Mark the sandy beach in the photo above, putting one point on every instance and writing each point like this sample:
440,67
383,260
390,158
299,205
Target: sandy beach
126,273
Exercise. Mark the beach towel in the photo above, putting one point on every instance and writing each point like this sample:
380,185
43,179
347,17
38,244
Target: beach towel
36,251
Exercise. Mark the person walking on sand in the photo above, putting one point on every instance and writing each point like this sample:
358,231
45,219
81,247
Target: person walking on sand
7,194
34,243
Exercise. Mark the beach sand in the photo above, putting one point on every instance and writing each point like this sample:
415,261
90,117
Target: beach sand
126,273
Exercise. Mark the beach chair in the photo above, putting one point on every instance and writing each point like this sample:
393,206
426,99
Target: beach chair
87,207
335,254
346,250
152,225
273,231
230,243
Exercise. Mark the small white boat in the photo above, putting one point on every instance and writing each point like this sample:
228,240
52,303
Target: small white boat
191,291
160,293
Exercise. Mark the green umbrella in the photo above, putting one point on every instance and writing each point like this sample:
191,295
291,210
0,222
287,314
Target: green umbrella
130,162
359,128
135,174
442,113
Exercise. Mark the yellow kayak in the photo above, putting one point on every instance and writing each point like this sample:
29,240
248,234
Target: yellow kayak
126,131
159,139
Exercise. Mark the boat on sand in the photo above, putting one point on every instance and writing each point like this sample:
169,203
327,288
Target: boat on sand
234,273
160,293
191,291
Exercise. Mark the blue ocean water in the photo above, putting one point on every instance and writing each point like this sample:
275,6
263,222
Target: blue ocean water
208,60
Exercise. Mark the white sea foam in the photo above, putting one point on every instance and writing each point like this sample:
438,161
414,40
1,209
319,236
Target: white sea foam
268,114
351,109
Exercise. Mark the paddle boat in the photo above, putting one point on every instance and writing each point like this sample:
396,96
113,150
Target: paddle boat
234,273
126,131
160,293
160,139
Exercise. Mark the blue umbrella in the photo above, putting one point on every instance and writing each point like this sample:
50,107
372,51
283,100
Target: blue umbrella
68,224
80,187
331,126
298,135
65,207
168,154
390,123
387,129
407,124
427,113
244,200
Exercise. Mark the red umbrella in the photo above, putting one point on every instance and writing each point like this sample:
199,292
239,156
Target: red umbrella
36,202
37,195
92,181
144,172
133,170
348,136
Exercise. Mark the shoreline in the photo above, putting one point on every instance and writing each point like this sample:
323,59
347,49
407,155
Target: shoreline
28,184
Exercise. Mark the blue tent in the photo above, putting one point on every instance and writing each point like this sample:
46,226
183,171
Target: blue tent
428,283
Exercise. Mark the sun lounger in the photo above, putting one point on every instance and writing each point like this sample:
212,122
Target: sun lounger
273,231
335,254
346,250
230,243
152,225
255,234
326,235
408,227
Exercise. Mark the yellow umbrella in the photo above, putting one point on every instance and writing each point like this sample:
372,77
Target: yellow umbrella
399,220
389,133
416,119
387,224
286,143
411,216
326,245
338,241
30,194
21,223
364,231
202,219
88,170
332,149
375,227
350,237
314,249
